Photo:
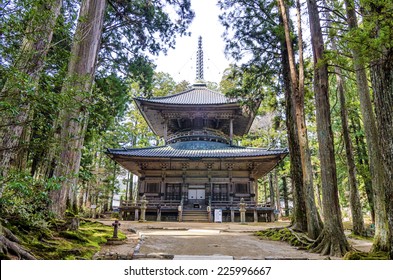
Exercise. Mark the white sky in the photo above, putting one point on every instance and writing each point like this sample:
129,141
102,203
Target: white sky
180,62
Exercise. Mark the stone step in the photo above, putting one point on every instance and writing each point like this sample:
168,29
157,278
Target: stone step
195,216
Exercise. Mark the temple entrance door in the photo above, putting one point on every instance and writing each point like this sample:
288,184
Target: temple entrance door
196,196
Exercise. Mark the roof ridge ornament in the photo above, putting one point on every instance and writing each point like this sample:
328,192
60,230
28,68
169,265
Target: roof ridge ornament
199,62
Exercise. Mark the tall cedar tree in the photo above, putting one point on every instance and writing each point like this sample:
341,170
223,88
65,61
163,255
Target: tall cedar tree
382,83
78,84
299,219
132,28
354,198
314,225
381,239
27,68
256,26
332,240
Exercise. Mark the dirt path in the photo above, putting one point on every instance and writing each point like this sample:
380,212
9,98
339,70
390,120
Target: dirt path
166,240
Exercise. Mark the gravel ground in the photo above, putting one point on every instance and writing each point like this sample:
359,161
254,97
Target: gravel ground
207,239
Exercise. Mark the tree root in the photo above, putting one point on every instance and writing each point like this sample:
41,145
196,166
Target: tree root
9,243
329,244
303,238
7,246
288,235
9,235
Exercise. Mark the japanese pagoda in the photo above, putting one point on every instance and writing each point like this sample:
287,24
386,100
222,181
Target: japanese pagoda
199,169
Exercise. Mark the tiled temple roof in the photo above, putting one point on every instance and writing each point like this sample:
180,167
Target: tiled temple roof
198,95
196,149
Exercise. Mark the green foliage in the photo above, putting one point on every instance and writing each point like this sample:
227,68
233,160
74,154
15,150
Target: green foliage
251,27
253,35
375,34
25,199
134,28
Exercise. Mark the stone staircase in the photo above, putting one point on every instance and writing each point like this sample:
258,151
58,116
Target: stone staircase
195,216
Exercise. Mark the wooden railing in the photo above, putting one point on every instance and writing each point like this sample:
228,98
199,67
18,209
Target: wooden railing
198,132
235,204
173,204
164,204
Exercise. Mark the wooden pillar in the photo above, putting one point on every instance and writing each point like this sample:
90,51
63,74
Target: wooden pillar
183,189
256,190
230,187
211,188
230,131
271,190
165,130
127,186
183,184
162,190
163,180
251,189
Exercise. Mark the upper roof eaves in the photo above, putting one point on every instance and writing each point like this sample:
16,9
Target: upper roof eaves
198,95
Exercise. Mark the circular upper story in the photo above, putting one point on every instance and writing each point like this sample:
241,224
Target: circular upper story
196,109
205,134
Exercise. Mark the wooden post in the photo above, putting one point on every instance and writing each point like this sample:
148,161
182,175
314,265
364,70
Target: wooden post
230,131
255,186
165,130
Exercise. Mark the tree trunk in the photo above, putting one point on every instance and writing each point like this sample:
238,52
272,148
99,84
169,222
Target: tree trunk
299,222
285,195
319,199
81,197
332,240
363,163
382,81
271,190
78,85
277,187
297,88
265,190
28,65
354,199
381,242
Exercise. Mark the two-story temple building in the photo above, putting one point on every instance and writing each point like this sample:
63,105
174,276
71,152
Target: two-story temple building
199,167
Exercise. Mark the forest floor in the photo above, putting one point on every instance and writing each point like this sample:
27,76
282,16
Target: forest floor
168,240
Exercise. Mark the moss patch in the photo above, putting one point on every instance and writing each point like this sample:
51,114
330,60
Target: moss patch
57,243
366,256
360,237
